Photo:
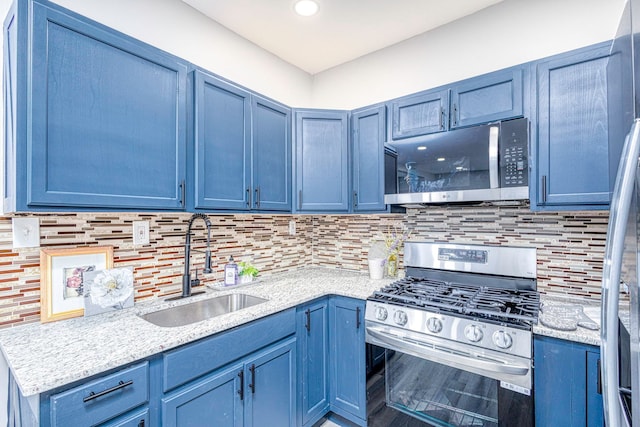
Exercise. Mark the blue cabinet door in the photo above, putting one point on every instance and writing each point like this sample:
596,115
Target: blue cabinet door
271,130
348,364
138,418
595,414
566,383
108,119
222,144
322,158
572,152
368,133
494,96
420,114
214,401
313,360
270,385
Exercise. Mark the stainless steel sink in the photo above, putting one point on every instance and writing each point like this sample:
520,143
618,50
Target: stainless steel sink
201,310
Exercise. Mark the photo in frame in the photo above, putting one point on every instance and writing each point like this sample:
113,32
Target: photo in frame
61,279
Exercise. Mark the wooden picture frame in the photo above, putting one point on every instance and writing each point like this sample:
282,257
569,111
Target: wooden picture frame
61,279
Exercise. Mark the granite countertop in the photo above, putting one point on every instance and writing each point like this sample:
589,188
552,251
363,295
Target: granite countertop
45,356
586,336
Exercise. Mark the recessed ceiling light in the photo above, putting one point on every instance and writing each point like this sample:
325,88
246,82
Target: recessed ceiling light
422,147
306,7
441,159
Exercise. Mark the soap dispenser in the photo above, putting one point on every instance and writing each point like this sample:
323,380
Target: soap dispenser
230,273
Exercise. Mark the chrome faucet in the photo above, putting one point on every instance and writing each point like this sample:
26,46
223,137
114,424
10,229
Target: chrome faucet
187,282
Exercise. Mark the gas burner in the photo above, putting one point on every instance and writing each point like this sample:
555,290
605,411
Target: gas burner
515,307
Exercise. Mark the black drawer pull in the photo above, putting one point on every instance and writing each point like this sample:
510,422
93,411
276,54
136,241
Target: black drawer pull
120,385
357,317
308,322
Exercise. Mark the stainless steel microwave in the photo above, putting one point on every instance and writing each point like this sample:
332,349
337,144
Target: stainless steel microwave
477,164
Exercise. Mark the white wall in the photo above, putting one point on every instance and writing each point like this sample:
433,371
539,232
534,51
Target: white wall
181,30
508,33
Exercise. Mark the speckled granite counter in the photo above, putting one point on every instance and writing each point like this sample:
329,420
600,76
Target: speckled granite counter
46,356
591,308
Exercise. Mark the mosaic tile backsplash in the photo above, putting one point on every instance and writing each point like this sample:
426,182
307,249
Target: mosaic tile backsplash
570,246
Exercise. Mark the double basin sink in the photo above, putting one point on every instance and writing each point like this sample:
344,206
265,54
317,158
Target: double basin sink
186,314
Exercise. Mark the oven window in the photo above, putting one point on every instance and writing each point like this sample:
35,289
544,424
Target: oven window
440,395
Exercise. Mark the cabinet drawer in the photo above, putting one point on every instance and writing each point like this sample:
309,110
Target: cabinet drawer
102,399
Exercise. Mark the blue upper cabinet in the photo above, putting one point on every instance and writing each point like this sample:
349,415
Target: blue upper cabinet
242,148
420,114
322,159
271,124
493,96
571,157
222,144
97,119
368,132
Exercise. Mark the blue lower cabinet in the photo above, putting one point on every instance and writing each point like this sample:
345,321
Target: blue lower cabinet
214,401
313,361
139,418
566,383
348,359
270,387
259,390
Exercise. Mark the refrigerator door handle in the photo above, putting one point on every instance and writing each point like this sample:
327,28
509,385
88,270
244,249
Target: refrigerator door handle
614,248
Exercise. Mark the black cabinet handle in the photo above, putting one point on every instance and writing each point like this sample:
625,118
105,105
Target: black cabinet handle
248,197
141,423
183,193
252,385
355,199
599,382
308,322
120,385
299,200
357,317
241,390
441,118
544,189
455,115
258,197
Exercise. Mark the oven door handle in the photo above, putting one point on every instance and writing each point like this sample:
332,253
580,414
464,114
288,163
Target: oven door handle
445,355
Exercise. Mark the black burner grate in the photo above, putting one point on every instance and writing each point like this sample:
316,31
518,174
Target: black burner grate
515,307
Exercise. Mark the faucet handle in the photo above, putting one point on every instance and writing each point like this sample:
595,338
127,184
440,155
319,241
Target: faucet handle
196,281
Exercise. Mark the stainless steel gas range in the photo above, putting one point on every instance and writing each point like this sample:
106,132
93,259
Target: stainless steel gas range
457,334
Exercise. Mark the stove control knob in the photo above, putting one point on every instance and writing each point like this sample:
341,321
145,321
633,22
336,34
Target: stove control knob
502,339
434,325
400,317
473,333
381,314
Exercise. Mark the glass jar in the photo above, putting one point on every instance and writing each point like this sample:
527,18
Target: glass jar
392,264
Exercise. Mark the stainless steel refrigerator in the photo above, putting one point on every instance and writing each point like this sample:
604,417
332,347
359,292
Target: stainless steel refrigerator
620,333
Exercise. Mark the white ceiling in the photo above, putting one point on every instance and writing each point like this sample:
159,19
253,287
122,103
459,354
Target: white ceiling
341,31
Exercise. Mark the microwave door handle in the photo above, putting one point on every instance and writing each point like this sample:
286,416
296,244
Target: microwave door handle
494,166
443,355
614,249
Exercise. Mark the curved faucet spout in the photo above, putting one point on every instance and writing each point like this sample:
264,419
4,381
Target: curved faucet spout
187,283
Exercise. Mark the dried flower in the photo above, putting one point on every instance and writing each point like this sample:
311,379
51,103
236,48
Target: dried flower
395,236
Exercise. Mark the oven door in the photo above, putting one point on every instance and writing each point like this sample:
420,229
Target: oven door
446,384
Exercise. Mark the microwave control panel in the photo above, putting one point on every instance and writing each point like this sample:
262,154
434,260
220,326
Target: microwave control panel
514,153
